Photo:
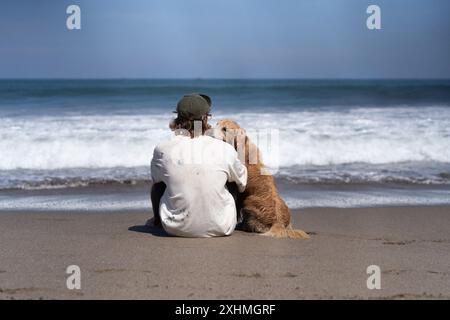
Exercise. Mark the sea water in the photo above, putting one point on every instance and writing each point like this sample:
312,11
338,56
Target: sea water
341,143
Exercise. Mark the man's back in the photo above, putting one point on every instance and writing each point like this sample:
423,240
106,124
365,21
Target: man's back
196,202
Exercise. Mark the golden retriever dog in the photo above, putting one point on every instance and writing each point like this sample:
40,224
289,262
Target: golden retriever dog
261,208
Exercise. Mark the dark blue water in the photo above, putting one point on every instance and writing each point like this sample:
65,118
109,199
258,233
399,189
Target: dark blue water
131,96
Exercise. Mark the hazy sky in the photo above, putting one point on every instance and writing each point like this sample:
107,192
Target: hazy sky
225,39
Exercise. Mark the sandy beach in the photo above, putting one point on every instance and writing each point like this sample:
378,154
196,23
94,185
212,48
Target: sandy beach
120,258
108,109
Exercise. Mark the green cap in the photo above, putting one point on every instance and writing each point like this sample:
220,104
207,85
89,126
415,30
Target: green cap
194,106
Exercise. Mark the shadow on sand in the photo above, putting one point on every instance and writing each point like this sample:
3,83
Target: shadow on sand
158,232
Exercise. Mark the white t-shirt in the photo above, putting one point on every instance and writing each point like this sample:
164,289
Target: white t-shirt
196,202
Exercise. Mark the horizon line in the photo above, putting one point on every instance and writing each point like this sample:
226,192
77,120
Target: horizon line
224,78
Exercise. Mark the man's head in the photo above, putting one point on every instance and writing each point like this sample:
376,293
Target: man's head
192,111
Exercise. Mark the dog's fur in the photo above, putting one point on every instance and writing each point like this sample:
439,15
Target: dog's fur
260,205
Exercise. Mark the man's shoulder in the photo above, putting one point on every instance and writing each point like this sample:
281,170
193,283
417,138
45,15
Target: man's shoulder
215,141
168,143
222,145
161,149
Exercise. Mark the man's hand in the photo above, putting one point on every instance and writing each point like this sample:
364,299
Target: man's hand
153,222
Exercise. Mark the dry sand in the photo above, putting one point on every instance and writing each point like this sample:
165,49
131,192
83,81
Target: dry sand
120,258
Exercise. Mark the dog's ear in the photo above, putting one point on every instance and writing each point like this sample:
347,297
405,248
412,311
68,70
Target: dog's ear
240,144
237,139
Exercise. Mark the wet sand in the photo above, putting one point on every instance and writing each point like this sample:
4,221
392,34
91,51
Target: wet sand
120,258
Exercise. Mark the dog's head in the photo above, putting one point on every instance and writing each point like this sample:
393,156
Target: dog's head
229,131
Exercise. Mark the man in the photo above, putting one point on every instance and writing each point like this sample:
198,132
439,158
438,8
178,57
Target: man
190,173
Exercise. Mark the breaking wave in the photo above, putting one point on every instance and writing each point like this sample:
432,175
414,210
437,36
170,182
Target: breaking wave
358,145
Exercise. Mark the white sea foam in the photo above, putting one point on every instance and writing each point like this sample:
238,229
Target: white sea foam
368,135
117,200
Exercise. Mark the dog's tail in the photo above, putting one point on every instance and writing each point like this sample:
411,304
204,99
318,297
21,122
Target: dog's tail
297,234
279,231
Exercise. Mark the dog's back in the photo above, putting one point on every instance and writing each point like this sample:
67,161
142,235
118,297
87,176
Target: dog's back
262,208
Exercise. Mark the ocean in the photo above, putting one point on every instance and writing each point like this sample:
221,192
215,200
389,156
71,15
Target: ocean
342,143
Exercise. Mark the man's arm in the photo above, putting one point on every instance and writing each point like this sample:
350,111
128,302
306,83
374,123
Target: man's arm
238,174
155,195
233,189
158,186
237,181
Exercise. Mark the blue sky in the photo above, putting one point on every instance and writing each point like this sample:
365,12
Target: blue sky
225,39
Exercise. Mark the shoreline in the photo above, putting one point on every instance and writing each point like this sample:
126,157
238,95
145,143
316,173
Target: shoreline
149,212
129,197
120,258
